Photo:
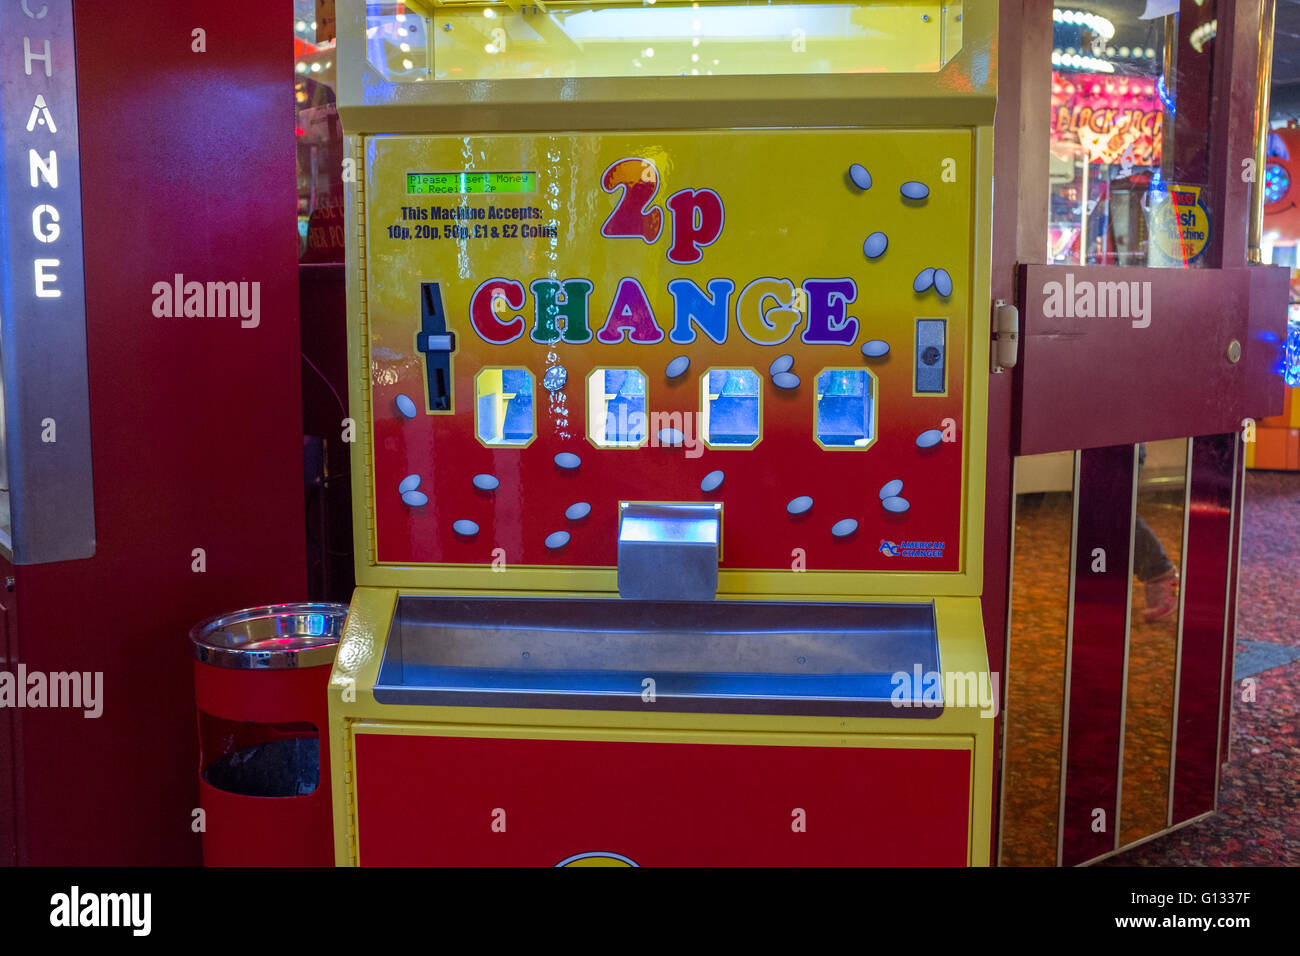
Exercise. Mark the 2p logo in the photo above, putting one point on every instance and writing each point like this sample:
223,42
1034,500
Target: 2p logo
697,214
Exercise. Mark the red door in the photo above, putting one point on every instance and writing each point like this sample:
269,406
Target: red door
1150,340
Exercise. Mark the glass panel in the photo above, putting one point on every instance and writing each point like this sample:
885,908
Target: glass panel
1153,638
1280,223
397,41
1130,136
731,406
1035,678
845,410
504,406
320,138
579,38
616,407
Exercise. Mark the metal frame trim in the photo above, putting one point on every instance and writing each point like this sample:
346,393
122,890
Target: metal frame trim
1006,668
1178,652
1128,627
1149,837
1226,648
1236,604
1069,663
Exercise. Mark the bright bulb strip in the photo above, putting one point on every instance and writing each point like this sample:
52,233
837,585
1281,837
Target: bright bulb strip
1203,35
1097,24
1075,62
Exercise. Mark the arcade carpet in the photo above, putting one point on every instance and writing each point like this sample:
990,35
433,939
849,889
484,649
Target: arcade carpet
1258,822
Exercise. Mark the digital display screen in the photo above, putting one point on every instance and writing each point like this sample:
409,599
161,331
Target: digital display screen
443,184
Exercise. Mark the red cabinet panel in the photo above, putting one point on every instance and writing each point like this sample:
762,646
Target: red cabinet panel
494,801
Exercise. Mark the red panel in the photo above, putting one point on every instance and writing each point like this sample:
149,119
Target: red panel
264,695
187,167
267,831
8,730
1192,86
427,800
1205,577
1086,382
1105,498
1266,394
758,533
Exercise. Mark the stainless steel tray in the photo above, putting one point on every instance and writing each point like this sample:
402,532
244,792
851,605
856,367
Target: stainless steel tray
710,657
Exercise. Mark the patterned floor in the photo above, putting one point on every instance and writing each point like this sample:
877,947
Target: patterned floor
1259,803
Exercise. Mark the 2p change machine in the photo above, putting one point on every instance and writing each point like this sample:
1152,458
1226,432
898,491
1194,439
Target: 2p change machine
669,343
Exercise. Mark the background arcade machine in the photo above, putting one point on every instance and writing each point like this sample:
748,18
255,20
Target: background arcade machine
1277,444
667,339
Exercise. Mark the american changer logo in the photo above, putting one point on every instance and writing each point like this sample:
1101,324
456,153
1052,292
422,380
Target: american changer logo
75,908
913,549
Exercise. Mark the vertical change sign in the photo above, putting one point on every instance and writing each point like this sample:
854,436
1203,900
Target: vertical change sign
45,424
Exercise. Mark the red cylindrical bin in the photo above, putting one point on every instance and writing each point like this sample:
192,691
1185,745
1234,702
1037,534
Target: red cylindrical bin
260,679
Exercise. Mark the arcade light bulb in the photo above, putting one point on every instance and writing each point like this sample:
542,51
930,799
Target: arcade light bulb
1276,182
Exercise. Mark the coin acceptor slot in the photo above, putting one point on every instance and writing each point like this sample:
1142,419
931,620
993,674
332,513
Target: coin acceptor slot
437,344
931,356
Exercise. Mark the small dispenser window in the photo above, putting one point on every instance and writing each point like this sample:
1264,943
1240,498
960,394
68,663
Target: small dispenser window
845,408
504,407
732,411
616,407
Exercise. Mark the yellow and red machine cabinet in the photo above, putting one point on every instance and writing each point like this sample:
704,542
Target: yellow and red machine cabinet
740,311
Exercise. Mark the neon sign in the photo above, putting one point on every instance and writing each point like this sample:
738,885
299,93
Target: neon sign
46,420
1111,120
